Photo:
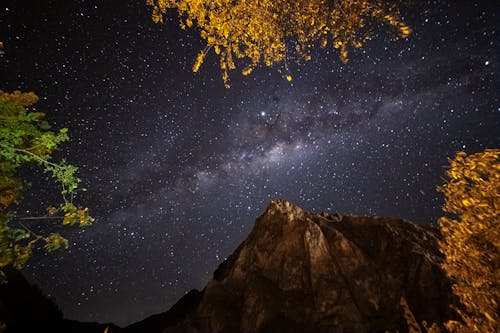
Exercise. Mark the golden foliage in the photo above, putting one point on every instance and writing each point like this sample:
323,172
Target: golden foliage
471,239
21,98
264,31
80,216
412,323
10,190
434,328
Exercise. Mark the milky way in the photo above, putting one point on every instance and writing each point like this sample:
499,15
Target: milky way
178,167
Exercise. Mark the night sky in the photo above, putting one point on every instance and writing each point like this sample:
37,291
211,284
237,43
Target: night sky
178,167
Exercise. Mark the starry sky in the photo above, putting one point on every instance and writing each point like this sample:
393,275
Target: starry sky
178,167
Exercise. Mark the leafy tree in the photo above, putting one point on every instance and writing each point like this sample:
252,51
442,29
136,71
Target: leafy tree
273,31
26,138
471,239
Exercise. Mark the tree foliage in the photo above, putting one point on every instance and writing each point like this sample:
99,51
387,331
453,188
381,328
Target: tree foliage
273,31
471,239
26,138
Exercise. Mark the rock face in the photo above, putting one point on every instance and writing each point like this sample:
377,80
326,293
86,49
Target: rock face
303,272
296,272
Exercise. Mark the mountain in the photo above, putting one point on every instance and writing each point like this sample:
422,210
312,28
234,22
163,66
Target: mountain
296,272
304,272
24,309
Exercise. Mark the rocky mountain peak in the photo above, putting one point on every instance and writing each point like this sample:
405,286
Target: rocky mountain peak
304,272
280,206
298,271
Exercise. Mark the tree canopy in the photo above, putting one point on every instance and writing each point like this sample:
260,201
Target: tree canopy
26,138
471,239
275,31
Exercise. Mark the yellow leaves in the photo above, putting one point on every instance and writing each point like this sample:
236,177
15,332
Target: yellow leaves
489,317
395,22
390,19
157,16
159,7
434,328
343,54
20,255
247,70
412,323
199,61
69,218
225,77
80,216
229,60
405,30
22,98
10,190
471,240
468,202
52,211
263,31
357,44
84,218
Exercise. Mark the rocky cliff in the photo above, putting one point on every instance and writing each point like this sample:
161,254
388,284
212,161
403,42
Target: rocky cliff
296,272
303,272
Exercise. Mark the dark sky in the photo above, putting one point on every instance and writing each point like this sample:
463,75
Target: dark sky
178,167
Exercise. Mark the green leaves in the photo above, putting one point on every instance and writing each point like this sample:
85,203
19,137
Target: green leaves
12,250
25,138
73,215
68,207
65,174
49,140
18,234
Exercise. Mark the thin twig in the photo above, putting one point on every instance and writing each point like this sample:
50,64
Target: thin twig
33,155
37,236
40,217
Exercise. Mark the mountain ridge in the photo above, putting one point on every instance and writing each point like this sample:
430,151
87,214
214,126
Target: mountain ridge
299,271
